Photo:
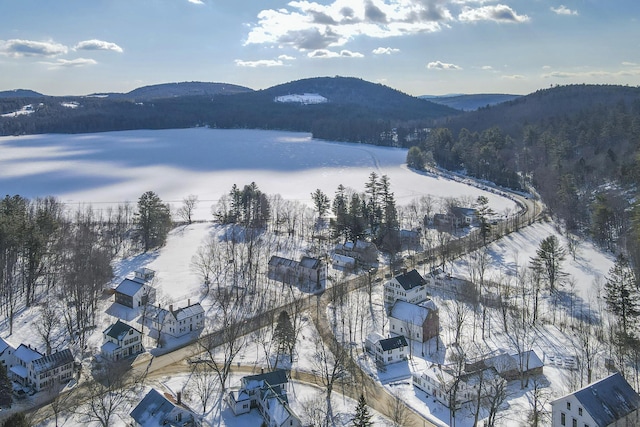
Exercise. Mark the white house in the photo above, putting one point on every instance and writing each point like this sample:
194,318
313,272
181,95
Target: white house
179,322
438,382
134,294
157,409
409,286
56,368
31,369
268,393
22,360
610,401
418,323
6,353
121,341
343,261
386,351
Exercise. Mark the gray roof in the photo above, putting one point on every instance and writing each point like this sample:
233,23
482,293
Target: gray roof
393,343
308,262
410,279
277,261
412,313
273,378
609,399
129,287
26,354
153,410
52,361
189,311
118,329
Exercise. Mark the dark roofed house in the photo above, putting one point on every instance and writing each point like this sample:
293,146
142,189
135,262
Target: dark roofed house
610,401
157,409
410,287
386,350
120,341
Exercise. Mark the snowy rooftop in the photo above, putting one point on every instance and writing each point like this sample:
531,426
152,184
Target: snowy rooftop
407,312
129,287
189,311
26,354
52,361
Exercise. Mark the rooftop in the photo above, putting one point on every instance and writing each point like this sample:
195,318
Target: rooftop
410,279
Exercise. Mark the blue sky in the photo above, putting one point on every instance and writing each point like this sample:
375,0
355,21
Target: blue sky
78,47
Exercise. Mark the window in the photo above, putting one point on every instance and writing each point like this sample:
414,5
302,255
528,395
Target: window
579,411
569,406
574,423
563,421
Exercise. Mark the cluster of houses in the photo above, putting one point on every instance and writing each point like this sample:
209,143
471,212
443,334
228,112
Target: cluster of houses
31,371
122,340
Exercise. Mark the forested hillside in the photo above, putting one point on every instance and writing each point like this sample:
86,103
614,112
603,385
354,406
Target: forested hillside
578,146
356,111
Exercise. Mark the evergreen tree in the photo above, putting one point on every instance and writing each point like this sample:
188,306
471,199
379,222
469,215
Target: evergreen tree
483,215
362,418
284,335
5,388
340,211
320,202
548,261
621,293
416,158
153,220
16,420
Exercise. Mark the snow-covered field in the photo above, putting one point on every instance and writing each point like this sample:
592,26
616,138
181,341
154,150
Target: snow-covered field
105,169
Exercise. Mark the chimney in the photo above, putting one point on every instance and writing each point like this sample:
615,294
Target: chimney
179,397
189,302
171,308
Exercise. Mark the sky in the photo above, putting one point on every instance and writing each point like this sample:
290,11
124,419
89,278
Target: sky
421,47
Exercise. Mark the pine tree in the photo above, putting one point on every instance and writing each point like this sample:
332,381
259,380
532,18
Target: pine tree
483,214
5,388
284,334
16,420
362,418
153,220
548,261
621,294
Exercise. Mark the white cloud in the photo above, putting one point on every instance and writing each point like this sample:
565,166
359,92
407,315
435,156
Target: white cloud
17,47
563,10
286,58
310,26
487,68
97,45
385,50
593,74
496,13
326,53
196,1
437,65
514,77
259,63
72,63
